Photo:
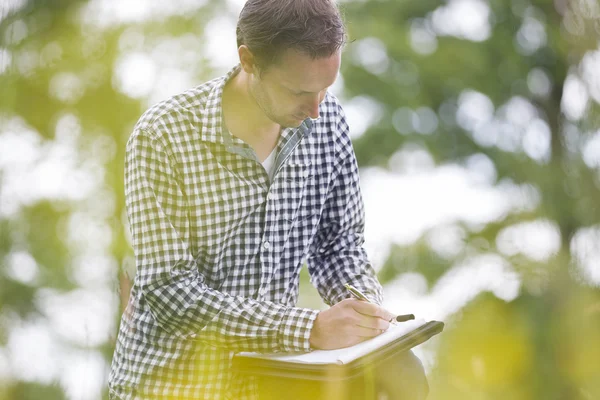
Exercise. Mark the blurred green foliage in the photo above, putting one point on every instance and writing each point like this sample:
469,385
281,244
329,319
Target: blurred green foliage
545,344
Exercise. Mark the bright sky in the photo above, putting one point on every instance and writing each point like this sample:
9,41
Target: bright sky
414,199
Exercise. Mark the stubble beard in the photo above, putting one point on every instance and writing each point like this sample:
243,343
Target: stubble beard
261,100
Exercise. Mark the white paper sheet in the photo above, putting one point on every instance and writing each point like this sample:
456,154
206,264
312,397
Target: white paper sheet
345,355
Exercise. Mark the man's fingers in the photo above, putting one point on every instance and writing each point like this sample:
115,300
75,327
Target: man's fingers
372,310
372,323
367,332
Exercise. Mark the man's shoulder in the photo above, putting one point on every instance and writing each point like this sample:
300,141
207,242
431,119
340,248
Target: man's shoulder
332,122
331,107
179,111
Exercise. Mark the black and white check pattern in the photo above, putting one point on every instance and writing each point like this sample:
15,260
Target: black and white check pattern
219,249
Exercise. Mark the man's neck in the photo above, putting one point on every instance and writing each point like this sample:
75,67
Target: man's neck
243,116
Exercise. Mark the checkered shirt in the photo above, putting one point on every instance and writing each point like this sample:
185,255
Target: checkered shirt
219,248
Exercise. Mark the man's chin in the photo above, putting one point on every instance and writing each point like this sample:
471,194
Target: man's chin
290,121
297,125
293,122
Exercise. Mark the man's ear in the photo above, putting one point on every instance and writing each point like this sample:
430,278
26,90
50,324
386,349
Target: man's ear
247,60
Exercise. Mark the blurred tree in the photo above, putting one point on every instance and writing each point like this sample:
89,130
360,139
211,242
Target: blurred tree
504,81
62,92
509,82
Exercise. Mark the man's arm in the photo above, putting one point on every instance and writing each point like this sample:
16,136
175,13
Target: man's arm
170,282
337,255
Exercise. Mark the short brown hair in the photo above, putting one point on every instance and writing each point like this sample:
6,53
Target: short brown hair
269,27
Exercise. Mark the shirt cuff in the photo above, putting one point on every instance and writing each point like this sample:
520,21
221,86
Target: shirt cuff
295,328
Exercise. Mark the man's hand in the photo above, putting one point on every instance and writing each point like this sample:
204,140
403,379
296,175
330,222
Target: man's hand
347,323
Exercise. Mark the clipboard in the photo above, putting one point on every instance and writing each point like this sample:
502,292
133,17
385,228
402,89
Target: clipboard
255,365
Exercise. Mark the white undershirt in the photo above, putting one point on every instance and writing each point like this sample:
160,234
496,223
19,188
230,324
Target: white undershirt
269,164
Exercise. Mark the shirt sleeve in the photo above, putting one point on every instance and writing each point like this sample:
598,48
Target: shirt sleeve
178,299
337,255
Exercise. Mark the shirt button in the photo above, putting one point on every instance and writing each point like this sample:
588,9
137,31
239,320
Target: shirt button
262,291
270,196
266,245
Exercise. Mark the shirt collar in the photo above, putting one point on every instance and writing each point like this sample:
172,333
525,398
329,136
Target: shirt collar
212,120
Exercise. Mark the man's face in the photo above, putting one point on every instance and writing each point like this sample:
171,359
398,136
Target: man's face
291,90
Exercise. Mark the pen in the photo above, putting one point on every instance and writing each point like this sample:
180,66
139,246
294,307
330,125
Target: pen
358,294
405,317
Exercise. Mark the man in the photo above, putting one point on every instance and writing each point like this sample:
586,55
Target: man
230,188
